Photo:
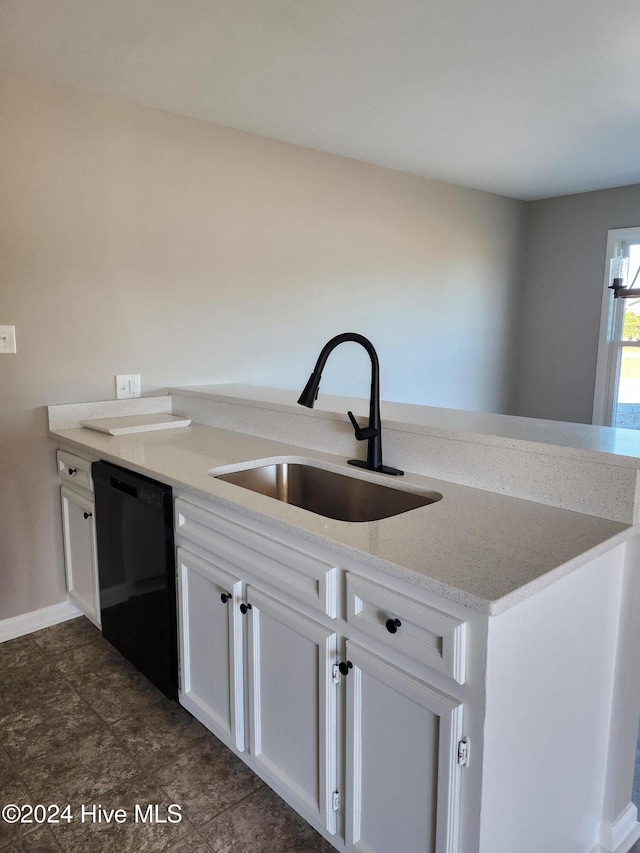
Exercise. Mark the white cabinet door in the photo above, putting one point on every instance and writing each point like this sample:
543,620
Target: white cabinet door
292,705
211,653
80,557
402,775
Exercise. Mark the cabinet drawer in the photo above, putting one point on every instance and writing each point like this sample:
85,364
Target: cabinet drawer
304,576
424,633
74,470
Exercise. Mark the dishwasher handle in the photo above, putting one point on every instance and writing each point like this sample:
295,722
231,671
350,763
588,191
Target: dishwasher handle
121,486
118,482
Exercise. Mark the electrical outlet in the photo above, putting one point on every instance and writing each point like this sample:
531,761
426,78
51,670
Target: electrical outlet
127,385
7,339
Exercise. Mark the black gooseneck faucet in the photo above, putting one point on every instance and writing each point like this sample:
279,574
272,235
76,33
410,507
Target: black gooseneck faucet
373,432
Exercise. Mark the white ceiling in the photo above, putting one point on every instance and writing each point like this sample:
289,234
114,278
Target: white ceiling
527,99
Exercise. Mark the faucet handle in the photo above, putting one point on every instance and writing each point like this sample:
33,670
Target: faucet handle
362,433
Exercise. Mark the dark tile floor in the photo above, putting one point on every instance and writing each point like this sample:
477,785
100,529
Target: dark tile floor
79,725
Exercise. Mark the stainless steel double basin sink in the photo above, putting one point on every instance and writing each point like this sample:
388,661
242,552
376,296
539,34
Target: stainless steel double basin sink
327,493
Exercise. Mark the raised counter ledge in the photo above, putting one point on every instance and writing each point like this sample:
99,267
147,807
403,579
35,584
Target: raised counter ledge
553,437
484,550
592,470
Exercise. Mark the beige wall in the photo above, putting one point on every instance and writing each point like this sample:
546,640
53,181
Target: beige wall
135,241
565,261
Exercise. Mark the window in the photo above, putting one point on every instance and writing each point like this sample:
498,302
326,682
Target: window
617,394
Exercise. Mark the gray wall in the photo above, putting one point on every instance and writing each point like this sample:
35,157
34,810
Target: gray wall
135,241
560,322
132,240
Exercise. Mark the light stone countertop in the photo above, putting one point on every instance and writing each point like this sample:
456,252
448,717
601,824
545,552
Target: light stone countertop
480,549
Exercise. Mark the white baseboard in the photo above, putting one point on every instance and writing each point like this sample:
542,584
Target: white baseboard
27,623
620,836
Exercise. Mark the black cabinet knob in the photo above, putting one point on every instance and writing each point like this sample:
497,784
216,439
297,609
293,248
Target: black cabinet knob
244,608
72,471
345,667
226,596
87,514
393,625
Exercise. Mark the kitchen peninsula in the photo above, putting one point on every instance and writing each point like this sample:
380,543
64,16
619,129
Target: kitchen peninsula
502,712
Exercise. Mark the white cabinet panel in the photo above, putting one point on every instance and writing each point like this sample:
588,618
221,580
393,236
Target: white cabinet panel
292,704
74,471
80,556
402,787
424,633
294,571
211,654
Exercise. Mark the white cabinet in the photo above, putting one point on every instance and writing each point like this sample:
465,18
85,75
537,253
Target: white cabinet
287,568
79,534
292,704
403,732
368,755
211,646
402,736
395,622
229,631
250,611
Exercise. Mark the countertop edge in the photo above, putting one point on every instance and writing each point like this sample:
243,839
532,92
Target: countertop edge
501,605
490,607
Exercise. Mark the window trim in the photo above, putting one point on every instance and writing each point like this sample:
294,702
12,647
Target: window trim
611,319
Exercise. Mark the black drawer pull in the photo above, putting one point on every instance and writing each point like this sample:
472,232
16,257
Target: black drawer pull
72,471
244,608
345,667
87,514
392,625
226,596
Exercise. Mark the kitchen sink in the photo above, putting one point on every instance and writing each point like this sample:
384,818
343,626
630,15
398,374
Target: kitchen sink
328,493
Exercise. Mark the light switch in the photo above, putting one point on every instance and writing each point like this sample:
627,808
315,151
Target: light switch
7,339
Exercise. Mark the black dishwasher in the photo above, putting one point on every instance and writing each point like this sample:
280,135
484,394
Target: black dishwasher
136,569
